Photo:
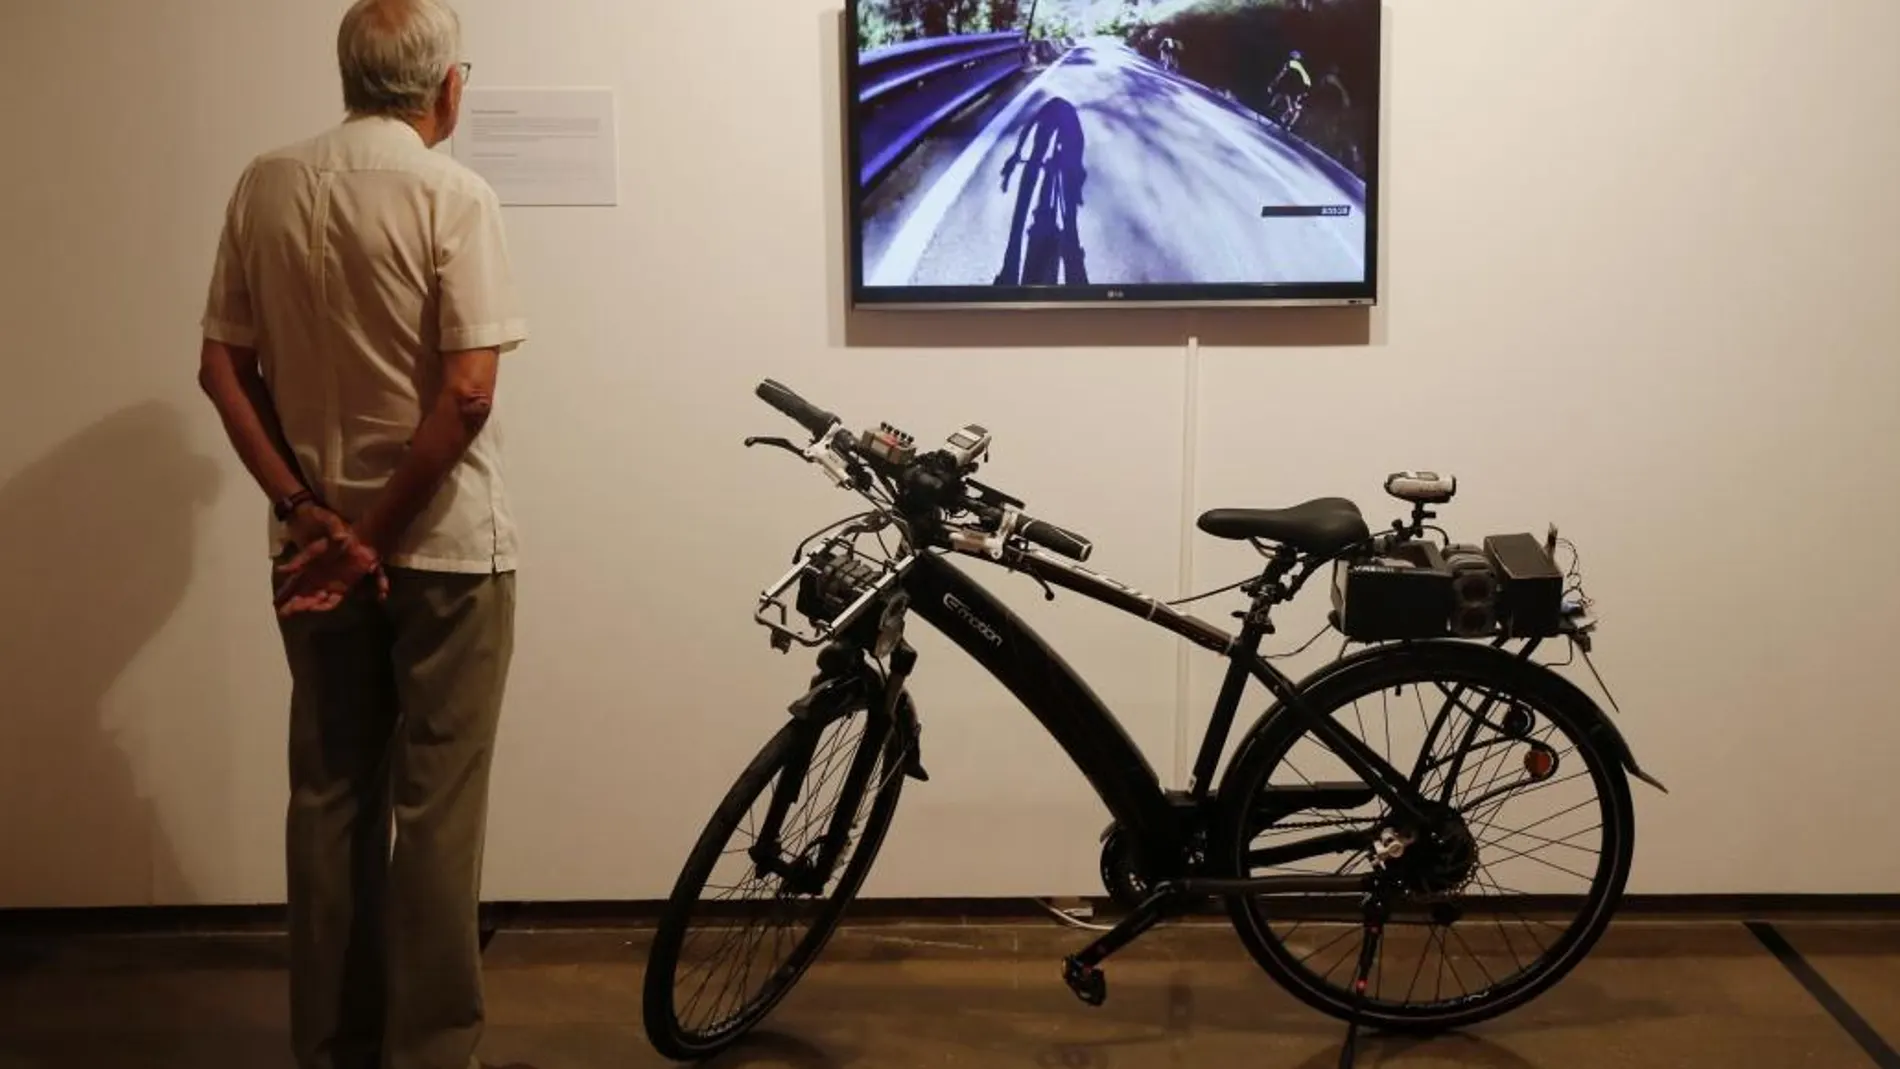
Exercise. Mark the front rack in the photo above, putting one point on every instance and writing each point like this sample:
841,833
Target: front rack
830,589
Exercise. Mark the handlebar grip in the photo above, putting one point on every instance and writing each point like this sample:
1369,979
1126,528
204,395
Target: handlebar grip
1055,539
810,416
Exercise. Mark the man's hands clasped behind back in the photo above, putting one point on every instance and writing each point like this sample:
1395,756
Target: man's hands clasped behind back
329,563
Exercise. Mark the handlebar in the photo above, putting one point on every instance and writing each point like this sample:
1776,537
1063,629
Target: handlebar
810,416
818,421
1055,539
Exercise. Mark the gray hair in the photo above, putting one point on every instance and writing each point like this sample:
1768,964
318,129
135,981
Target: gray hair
394,54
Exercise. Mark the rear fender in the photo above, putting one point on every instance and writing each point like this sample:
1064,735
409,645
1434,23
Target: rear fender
1507,665
1601,722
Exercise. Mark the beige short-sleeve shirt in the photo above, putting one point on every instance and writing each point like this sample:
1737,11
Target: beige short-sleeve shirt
350,263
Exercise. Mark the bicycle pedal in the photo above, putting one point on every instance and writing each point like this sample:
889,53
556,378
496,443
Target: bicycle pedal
1089,983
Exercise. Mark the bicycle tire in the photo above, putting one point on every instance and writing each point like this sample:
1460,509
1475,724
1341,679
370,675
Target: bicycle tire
1276,732
660,1015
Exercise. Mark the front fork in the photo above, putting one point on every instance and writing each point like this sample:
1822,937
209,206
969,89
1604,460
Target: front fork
845,678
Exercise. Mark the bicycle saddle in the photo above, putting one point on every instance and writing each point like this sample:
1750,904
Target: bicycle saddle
1324,525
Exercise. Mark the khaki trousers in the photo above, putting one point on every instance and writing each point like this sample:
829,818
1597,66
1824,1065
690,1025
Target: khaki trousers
394,708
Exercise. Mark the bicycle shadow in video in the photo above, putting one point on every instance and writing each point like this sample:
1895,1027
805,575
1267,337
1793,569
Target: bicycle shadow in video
1044,247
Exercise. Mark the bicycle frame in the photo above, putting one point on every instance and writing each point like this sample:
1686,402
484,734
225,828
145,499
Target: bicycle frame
1093,738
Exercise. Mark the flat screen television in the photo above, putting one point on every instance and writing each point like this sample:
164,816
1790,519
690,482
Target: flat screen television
1050,153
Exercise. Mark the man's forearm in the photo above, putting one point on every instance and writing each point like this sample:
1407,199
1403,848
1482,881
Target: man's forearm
250,422
440,442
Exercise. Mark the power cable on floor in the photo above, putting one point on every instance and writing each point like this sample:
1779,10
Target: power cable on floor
1064,917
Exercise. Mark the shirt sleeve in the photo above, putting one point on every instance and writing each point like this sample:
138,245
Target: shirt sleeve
478,298
230,315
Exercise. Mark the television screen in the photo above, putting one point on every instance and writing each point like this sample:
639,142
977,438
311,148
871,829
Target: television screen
1052,152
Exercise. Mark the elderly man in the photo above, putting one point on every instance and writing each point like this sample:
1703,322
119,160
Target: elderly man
359,304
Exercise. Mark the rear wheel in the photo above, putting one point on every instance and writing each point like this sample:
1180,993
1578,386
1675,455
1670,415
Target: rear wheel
1493,913
769,880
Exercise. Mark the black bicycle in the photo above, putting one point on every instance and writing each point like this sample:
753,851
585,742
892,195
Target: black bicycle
1336,857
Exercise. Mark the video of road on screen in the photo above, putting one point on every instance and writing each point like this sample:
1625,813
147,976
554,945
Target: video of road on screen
1113,142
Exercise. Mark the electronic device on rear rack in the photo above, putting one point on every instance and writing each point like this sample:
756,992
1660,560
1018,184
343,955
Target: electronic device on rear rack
1405,587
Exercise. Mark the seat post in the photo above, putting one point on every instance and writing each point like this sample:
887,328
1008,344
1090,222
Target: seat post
1268,590
1241,657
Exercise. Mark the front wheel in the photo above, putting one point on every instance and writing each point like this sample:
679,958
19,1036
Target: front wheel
782,844
1486,913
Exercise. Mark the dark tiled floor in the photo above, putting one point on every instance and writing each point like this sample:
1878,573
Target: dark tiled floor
980,994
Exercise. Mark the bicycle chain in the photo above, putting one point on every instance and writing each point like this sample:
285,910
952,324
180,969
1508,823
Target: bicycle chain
1306,825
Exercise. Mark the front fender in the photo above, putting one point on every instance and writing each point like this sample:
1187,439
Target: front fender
847,682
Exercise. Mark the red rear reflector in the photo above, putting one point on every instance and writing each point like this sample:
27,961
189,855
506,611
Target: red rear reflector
1540,762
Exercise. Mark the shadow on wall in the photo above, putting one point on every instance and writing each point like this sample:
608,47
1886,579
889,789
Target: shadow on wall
96,539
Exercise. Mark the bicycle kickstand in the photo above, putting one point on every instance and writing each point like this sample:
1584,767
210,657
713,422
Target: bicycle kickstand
1376,914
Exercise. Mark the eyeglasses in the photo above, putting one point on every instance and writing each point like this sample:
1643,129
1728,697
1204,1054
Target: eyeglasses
467,70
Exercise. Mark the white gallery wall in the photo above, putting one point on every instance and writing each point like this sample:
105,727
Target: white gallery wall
1638,281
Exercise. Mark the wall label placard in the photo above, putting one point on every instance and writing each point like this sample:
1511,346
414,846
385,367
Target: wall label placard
542,147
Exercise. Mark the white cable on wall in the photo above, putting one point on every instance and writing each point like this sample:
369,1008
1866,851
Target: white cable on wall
1190,456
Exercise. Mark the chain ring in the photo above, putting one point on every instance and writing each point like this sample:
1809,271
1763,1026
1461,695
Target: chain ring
1124,885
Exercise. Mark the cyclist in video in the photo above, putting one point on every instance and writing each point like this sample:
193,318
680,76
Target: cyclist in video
1170,55
1289,89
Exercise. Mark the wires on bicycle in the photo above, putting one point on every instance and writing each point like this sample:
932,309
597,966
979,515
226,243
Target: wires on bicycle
1321,633
1210,594
1567,661
1573,576
836,525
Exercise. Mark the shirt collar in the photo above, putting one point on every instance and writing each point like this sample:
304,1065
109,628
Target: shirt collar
383,126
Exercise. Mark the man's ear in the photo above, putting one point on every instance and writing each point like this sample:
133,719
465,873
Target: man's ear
448,103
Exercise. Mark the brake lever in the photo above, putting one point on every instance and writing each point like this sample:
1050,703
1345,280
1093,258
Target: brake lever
822,453
1048,592
842,471
776,443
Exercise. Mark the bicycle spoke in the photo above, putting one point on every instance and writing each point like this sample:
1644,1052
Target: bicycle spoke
1564,842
